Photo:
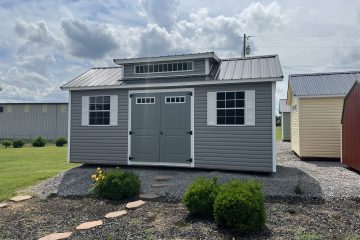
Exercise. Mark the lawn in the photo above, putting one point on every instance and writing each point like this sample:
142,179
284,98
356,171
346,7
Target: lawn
278,133
22,167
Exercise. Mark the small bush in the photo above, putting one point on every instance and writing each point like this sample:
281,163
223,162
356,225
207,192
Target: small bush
18,143
39,142
298,190
6,143
200,196
116,184
240,206
60,142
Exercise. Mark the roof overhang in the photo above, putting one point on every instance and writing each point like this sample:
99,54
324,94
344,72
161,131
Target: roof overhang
166,58
176,84
317,96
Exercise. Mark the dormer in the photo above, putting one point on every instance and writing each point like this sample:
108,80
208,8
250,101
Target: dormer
185,65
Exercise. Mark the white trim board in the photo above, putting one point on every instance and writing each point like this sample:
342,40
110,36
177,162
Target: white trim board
192,144
176,84
69,128
273,90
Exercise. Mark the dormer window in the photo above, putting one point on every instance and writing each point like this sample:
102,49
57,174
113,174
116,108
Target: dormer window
163,67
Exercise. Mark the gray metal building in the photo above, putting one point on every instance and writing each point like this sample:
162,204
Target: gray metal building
29,120
191,110
284,110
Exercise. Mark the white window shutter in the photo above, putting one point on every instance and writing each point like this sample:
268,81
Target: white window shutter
85,110
211,108
114,110
250,108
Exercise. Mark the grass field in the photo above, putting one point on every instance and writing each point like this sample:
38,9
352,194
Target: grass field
22,167
278,133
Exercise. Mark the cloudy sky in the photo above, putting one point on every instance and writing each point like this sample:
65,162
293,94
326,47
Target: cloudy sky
44,44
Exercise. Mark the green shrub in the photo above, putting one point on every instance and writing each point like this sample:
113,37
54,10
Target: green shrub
39,142
298,190
116,184
6,143
200,196
18,143
240,206
60,142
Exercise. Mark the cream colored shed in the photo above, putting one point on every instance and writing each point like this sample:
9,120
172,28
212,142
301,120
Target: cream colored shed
316,102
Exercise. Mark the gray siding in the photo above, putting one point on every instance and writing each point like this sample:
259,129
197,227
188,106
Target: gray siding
99,144
15,123
199,68
285,125
235,147
216,147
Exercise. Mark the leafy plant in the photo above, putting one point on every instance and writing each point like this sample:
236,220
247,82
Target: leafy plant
116,184
298,190
240,205
200,196
60,142
302,235
18,143
39,142
6,143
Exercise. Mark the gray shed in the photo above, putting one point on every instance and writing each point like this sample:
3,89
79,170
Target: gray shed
30,120
191,110
284,110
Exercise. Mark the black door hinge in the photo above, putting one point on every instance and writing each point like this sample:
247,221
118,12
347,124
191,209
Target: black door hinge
189,160
131,158
131,132
190,132
190,93
131,95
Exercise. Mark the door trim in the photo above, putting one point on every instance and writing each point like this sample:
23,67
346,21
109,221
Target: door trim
192,164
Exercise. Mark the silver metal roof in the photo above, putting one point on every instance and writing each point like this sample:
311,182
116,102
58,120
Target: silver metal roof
96,77
283,107
322,84
166,58
250,68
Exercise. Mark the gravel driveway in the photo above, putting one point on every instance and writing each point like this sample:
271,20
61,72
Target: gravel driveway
318,179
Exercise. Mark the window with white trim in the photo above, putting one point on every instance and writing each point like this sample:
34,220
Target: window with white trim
164,67
230,108
174,99
145,100
99,110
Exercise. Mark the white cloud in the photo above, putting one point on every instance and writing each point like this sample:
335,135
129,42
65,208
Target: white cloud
88,40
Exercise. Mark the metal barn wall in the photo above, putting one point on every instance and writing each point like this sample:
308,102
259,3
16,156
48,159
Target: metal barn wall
217,147
27,121
351,129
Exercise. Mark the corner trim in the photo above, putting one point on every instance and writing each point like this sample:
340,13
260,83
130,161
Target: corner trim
69,128
273,109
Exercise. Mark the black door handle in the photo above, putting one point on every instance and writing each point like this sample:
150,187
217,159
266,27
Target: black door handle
161,132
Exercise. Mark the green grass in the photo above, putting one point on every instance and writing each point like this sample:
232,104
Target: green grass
278,133
22,167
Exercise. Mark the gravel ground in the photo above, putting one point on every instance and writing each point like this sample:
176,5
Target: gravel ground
318,179
334,219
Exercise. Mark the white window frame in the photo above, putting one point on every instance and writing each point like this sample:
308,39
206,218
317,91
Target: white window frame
138,65
136,101
90,111
166,97
234,108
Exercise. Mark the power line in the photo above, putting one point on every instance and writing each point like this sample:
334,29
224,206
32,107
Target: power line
306,66
313,47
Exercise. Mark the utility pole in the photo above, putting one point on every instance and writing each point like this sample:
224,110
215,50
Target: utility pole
246,49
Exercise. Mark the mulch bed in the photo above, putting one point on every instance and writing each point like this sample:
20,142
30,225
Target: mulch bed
335,219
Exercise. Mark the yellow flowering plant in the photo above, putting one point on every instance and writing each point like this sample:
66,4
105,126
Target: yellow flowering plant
98,176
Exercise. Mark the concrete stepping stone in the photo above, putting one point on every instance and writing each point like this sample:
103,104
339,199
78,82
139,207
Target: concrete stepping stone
116,214
163,178
57,236
20,198
134,205
88,225
149,196
3,205
159,185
